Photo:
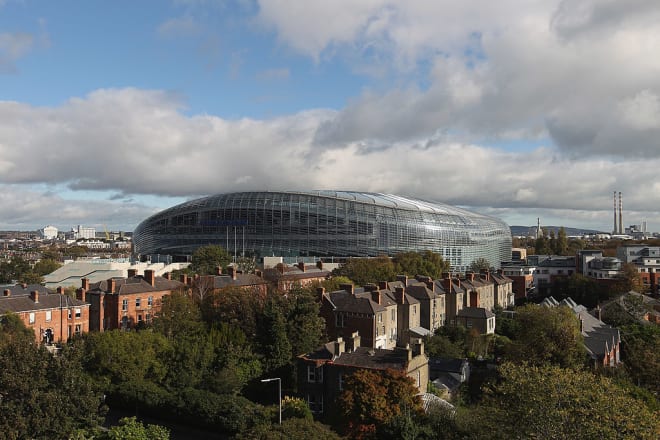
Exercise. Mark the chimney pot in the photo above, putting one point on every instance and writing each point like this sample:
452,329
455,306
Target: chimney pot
376,296
183,278
400,295
7,292
403,279
382,285
34,295
218,270
319,264
60,290
232,272
85,283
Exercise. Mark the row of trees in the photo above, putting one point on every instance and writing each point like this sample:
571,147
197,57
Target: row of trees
372,270
17,269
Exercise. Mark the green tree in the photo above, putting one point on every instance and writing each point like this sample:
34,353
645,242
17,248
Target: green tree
547,335
290,429
305,328
207,259
368,270
553,403
424,263
641,346
272,338
372,399
630,279
130,428
479,264
41,396
46,266
561,244
179,317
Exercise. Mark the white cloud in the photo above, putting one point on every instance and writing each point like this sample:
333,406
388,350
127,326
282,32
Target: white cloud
12,47
179,27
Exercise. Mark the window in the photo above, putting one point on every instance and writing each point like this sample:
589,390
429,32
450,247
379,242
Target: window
124,322
124,305
315,403
393,315
139,319
147,318
69,314
32,318
414,310
380,317
339,320
137,302
341,381
78,330
150,301
48,315
78,313
311,373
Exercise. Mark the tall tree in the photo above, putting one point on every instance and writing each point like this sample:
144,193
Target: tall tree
553,403
561,244
424,263
207,259
273,341
368,270
547,335
372,399
479,264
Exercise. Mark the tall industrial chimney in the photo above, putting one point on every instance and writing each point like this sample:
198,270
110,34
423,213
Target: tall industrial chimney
620,214
615,230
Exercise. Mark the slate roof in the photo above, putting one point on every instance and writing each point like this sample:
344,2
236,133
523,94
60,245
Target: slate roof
136,284
374,358
420,291
242,280
23,303
25,289
475,313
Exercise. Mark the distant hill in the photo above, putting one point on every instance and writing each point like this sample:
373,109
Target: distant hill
525,230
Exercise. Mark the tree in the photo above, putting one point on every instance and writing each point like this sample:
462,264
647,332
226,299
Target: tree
630,279
290,429
424,263
547,335
272,339
179,316
46,266
641,347
305,327
130,428
374,398
207,259
367,270
561,244
554,403
479,264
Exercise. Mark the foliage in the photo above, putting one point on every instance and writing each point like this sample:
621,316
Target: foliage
233,306
45,266
334,283
305,327
290,429
547,335
41,396
553,403
630,279
641,348
443,346
295,407
480,264
15,269
130,428
246,264
179,317
424,263
207,259
372,399
272,340
368,270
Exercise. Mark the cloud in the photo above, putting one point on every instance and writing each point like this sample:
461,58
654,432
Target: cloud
141,142
26,209
179,27
12,47
583,72
274,74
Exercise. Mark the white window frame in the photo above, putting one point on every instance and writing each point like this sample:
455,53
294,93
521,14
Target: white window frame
32,318
49,315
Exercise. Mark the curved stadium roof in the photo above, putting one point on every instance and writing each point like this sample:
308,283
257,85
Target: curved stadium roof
324,223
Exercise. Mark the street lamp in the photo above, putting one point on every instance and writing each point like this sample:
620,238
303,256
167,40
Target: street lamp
279,390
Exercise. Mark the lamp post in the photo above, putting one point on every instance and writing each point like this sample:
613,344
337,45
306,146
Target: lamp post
279,391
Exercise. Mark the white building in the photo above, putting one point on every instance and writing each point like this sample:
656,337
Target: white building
49,232
83,232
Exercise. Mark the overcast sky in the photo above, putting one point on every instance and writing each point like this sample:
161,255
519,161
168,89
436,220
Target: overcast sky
112,111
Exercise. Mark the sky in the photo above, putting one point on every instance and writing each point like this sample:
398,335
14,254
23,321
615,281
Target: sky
113,111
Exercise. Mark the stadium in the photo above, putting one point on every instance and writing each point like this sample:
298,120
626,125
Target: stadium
324,224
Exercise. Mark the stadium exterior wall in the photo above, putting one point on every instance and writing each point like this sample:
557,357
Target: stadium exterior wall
324,224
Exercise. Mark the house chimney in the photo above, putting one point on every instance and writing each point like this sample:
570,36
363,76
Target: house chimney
60,290
409,349
85,283
150,277
320,291
111,285
7,292
319,264
430,285
347,287
469,276
301,266
474,298
167,275
400,295
375,296
485,274
446,284
183,278
218,270
340,346
24,286
598,313
382,285
232,272
418,347
132,273
403,279
370,287
354,341
34,295
500,271
81,294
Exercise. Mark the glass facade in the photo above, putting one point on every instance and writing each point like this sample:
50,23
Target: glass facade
323,224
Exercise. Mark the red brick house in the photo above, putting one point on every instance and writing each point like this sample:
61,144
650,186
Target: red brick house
286,277
54,317
123,303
